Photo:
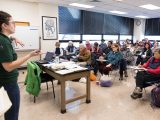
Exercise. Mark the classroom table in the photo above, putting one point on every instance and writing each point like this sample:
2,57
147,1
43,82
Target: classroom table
67,77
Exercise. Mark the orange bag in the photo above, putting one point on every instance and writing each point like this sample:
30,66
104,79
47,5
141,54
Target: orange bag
92,76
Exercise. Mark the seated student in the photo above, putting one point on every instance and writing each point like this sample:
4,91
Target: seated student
108,48
146,54
112,60
58,51
127,54
155,46
88,45
103,45
97,50
127,43
96,53
84,55
151,73
138,48
128,58
71,49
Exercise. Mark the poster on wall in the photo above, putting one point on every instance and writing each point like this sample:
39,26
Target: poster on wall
49,28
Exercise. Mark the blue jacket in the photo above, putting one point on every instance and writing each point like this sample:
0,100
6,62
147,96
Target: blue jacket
114,57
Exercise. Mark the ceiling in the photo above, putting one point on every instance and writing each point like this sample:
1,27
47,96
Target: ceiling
129,6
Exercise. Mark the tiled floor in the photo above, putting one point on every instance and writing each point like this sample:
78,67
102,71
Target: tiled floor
112,103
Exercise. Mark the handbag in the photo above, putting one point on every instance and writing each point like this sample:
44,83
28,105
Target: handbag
92,76
105,81
5,102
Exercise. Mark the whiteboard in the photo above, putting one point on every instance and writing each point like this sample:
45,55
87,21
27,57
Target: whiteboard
29,35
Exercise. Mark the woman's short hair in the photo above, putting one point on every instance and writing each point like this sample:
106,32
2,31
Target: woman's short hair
82,45
96,44
4,18
57,44
116,45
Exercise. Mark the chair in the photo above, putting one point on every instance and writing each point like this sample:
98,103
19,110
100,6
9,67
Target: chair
156,83
45,78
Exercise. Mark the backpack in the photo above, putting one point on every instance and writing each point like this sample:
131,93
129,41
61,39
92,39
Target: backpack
155,96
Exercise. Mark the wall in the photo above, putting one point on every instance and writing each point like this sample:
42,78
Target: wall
31,12
47,10
139,31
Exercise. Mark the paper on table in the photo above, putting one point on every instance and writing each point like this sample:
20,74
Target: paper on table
63,72
66,71
101,60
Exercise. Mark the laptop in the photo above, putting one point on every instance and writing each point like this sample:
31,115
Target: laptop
48,58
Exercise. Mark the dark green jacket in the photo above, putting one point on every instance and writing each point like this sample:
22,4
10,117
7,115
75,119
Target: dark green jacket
33,79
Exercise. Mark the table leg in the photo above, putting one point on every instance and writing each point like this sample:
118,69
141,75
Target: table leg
63,104
88,89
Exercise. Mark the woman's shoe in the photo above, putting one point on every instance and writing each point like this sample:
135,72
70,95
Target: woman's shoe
121,77
125,73
137,93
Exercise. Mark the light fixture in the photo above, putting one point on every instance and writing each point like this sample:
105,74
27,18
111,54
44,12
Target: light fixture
141,16
150,7
118,0
118,12
81,5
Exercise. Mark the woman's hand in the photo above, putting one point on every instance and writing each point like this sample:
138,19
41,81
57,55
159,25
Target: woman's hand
140,66
35,53
109,65
145,69
17,41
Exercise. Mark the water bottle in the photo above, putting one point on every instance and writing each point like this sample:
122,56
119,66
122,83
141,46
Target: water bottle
57,59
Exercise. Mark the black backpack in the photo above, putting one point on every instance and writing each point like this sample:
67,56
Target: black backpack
155,96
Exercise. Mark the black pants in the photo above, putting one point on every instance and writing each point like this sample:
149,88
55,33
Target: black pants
14,95
145,79
139,60
122,66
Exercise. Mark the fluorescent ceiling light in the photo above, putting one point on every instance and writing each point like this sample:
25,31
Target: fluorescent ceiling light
150,7
118,12
119,0
81,5
141,16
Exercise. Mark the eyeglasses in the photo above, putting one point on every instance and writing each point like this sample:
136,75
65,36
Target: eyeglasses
12,22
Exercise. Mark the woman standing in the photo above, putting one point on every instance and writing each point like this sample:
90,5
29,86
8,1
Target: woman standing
9,64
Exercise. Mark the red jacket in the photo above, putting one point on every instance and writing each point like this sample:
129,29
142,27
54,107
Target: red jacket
153,71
